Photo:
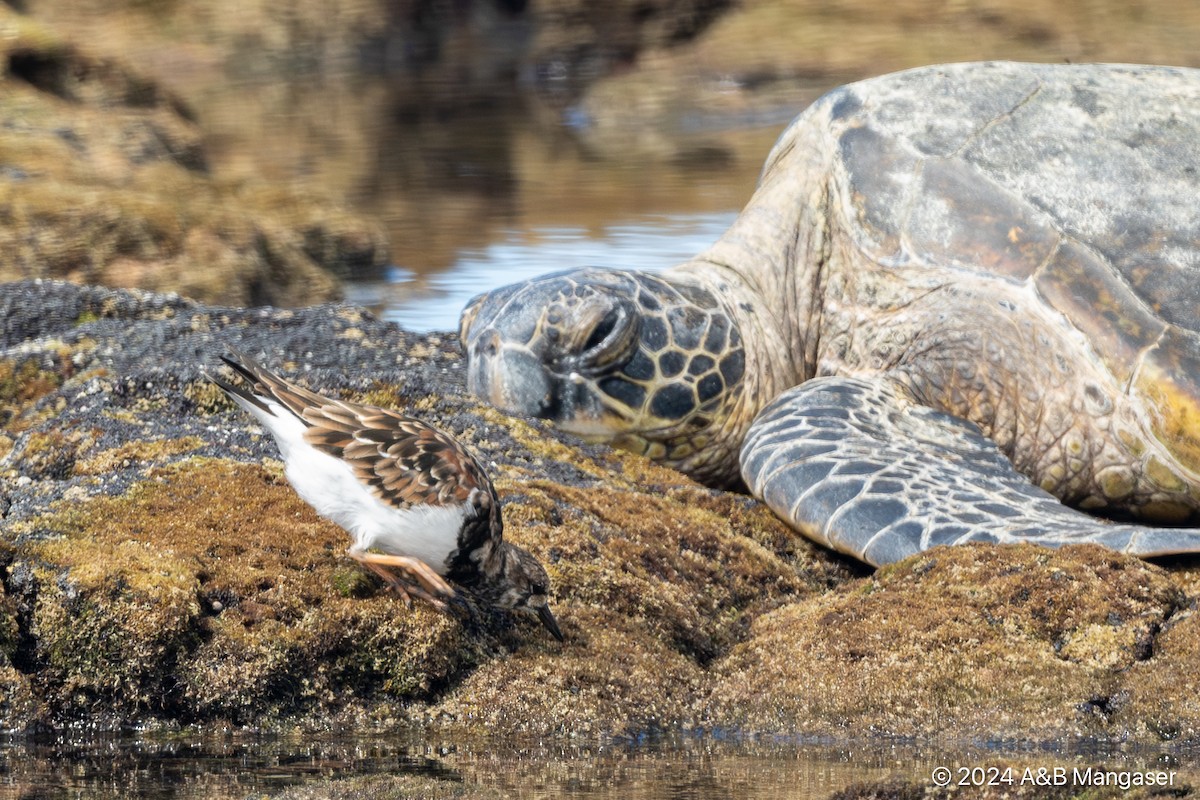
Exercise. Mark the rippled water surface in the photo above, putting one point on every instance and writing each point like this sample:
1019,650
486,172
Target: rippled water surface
693,769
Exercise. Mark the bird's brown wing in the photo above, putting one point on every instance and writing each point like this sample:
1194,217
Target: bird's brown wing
405,462
402,460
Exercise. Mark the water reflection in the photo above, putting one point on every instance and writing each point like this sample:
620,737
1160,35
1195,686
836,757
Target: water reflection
484,197
210,767
433,300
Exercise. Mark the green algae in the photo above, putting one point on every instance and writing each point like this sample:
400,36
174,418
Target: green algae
650,591
977,640
208,592
394,787
53,453
613,676
622,549
23,382
158,450
537,443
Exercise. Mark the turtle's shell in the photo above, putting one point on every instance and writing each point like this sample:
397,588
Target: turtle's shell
1082,180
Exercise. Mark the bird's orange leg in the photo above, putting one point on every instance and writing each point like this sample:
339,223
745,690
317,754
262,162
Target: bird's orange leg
417,579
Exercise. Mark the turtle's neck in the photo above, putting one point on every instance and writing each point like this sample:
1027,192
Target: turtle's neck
767,270
774,257
778,317
768,343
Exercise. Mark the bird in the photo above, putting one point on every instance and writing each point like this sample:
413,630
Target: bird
420,509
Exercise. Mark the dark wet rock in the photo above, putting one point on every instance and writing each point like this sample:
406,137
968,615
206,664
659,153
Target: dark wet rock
156,567
168,572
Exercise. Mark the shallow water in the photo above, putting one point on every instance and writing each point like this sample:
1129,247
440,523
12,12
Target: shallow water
561,208
432,301
700,768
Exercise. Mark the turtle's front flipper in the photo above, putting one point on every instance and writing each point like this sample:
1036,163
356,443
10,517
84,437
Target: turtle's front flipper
856,464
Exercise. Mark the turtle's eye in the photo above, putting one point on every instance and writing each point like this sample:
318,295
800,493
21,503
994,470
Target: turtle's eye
467,318
603,329
609,339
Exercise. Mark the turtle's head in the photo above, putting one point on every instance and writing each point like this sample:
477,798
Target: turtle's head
648,363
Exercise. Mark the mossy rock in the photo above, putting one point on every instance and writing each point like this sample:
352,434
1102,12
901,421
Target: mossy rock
393,787
206,592
1162,693
978,641
159,516
157,567
105,180
209,591
22,383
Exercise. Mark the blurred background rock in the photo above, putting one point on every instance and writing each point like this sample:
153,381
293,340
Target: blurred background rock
414,152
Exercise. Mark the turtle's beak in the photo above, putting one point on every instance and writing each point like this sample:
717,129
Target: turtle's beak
547,618
510,378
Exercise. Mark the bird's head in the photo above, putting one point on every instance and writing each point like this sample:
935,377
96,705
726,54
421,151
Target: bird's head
523,585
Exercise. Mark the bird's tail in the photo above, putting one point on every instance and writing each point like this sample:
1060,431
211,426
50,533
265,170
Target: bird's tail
260,389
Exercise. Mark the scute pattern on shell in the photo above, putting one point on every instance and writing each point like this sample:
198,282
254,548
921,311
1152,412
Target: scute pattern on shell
986,176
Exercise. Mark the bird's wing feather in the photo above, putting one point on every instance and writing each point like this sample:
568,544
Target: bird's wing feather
402,460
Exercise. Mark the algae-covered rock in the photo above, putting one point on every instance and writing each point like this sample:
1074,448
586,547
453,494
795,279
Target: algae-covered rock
993,642
157,567
1162,692
207,592
393,787
105,180
171,573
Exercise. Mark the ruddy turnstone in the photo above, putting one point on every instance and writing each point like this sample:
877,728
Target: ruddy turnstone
398,486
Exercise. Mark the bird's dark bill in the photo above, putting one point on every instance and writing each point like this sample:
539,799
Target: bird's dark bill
547,618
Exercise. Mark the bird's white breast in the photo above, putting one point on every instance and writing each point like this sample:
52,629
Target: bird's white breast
425,531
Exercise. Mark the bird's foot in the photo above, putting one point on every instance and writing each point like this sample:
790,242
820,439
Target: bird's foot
409,577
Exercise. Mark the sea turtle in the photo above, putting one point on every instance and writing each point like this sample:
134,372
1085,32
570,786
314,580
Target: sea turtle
963,304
